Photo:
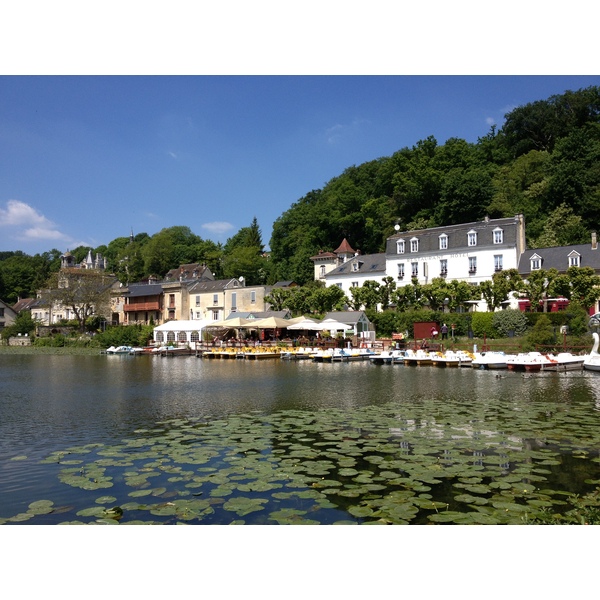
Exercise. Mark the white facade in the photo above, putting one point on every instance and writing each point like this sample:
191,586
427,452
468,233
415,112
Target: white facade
470,252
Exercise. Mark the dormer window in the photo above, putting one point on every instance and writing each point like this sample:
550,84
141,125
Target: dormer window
498,236
414,245
355,266
574,259
443,241
472,238
400,248
535,262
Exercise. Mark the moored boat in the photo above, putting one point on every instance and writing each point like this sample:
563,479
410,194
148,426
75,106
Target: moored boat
325,355
384,357
417,357
527,361
445,359
564,361
489,360
119,350
261,353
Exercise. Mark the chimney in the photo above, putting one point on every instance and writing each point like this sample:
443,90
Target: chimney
594,241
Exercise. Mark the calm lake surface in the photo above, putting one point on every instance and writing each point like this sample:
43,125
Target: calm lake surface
120,439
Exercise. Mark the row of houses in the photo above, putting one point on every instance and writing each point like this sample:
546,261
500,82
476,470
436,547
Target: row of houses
470,252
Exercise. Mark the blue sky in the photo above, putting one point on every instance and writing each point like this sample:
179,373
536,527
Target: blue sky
84,159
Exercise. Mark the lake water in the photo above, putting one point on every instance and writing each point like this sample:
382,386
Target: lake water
149,440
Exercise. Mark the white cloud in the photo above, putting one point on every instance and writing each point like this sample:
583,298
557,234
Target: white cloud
335,133
26,224
490,121
42,233
19,213
218,227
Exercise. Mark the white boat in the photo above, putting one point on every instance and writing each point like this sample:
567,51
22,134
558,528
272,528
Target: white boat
398,357
591,361
355,354
119,350
564,361
489,360
445,359
417,357
527,361
385,357
464,358
323,355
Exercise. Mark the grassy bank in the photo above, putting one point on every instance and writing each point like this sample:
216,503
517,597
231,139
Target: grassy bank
71,350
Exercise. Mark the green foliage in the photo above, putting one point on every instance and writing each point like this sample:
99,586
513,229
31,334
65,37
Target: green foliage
585,511
128,335
53,341
578,319
23,324
542,333
509,320
562,228
482,324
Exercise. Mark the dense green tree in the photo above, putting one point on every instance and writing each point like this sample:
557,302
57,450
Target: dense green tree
510,321
496,291
23,324
561,228
458,292
129,263
278,298
323,300
20,275
465,196
243,255
585,286
539,125
538,286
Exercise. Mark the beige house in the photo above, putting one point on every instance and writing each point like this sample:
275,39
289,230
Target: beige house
325,262
216,300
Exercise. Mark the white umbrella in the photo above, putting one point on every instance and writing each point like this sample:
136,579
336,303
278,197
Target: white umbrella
333,325
306,323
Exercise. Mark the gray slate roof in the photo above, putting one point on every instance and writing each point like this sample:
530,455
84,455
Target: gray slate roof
368,263
558,258
350,317
214,285
457,236
138,291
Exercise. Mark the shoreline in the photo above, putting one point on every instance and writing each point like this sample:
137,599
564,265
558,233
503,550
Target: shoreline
70,350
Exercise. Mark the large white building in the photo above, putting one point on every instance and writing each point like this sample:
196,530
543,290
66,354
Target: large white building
470,252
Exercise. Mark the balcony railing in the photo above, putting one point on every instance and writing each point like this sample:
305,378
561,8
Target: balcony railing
139,306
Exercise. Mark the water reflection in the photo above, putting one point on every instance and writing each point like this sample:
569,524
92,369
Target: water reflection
52,402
